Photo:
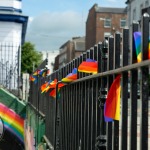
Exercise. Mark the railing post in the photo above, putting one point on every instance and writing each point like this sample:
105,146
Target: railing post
144,82
110,81
116,65
57,143
124,122
133,95
102,96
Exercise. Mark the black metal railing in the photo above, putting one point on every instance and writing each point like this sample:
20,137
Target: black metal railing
75,121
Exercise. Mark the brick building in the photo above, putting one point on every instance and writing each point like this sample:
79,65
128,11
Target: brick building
71,49
103,22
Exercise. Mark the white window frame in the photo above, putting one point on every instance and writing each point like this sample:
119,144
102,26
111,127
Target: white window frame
106,22
123,20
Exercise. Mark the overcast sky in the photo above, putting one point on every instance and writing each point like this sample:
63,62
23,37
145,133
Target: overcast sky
54,22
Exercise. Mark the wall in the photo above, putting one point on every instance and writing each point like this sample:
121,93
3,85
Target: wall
90,28
11,3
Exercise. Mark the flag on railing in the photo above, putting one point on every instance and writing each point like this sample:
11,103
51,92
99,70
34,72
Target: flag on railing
88,66
45,86
50,85
39,72
137,39
53,93
112,104
44,72
71,76
33,78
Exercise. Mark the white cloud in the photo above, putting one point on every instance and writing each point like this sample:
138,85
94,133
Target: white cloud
49,31
30,19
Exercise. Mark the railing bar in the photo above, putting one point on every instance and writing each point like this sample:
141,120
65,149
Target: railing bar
109,82
144,82
67,118
79,116
83,117
70,128
66,125
133,94
116,65
124,122
63,119
85,123
71,116
88,115
92,113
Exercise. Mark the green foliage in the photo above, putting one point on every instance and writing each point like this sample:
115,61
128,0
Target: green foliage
30,58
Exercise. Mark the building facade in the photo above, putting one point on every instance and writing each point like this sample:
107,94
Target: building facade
134,9
50,55
103,22
70,50
12,35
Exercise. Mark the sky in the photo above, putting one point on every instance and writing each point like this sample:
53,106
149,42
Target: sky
54,22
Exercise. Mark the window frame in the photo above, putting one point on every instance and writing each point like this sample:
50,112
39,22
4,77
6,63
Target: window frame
105,23
121,21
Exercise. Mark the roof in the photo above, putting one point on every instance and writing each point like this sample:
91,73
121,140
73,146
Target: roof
61,47
79,44
111,10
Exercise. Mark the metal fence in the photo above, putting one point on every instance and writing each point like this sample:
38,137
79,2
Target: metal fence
10,65
75,121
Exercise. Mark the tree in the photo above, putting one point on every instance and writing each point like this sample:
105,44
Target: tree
30,58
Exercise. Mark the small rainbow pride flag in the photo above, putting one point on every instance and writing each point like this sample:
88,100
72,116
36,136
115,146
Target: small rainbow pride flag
88,66
71,76
53,93
137,39
112,104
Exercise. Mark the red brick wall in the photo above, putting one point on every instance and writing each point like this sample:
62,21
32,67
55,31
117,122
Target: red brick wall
90,29
95,27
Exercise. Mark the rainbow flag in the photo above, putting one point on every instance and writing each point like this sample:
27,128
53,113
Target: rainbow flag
31,78
44,72
12,122
137,39
88,66
50,85
112,104
71,76
44,86
53,93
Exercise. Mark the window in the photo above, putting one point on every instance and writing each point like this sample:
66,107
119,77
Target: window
134,14
141,7
146,3
122,23
107,23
